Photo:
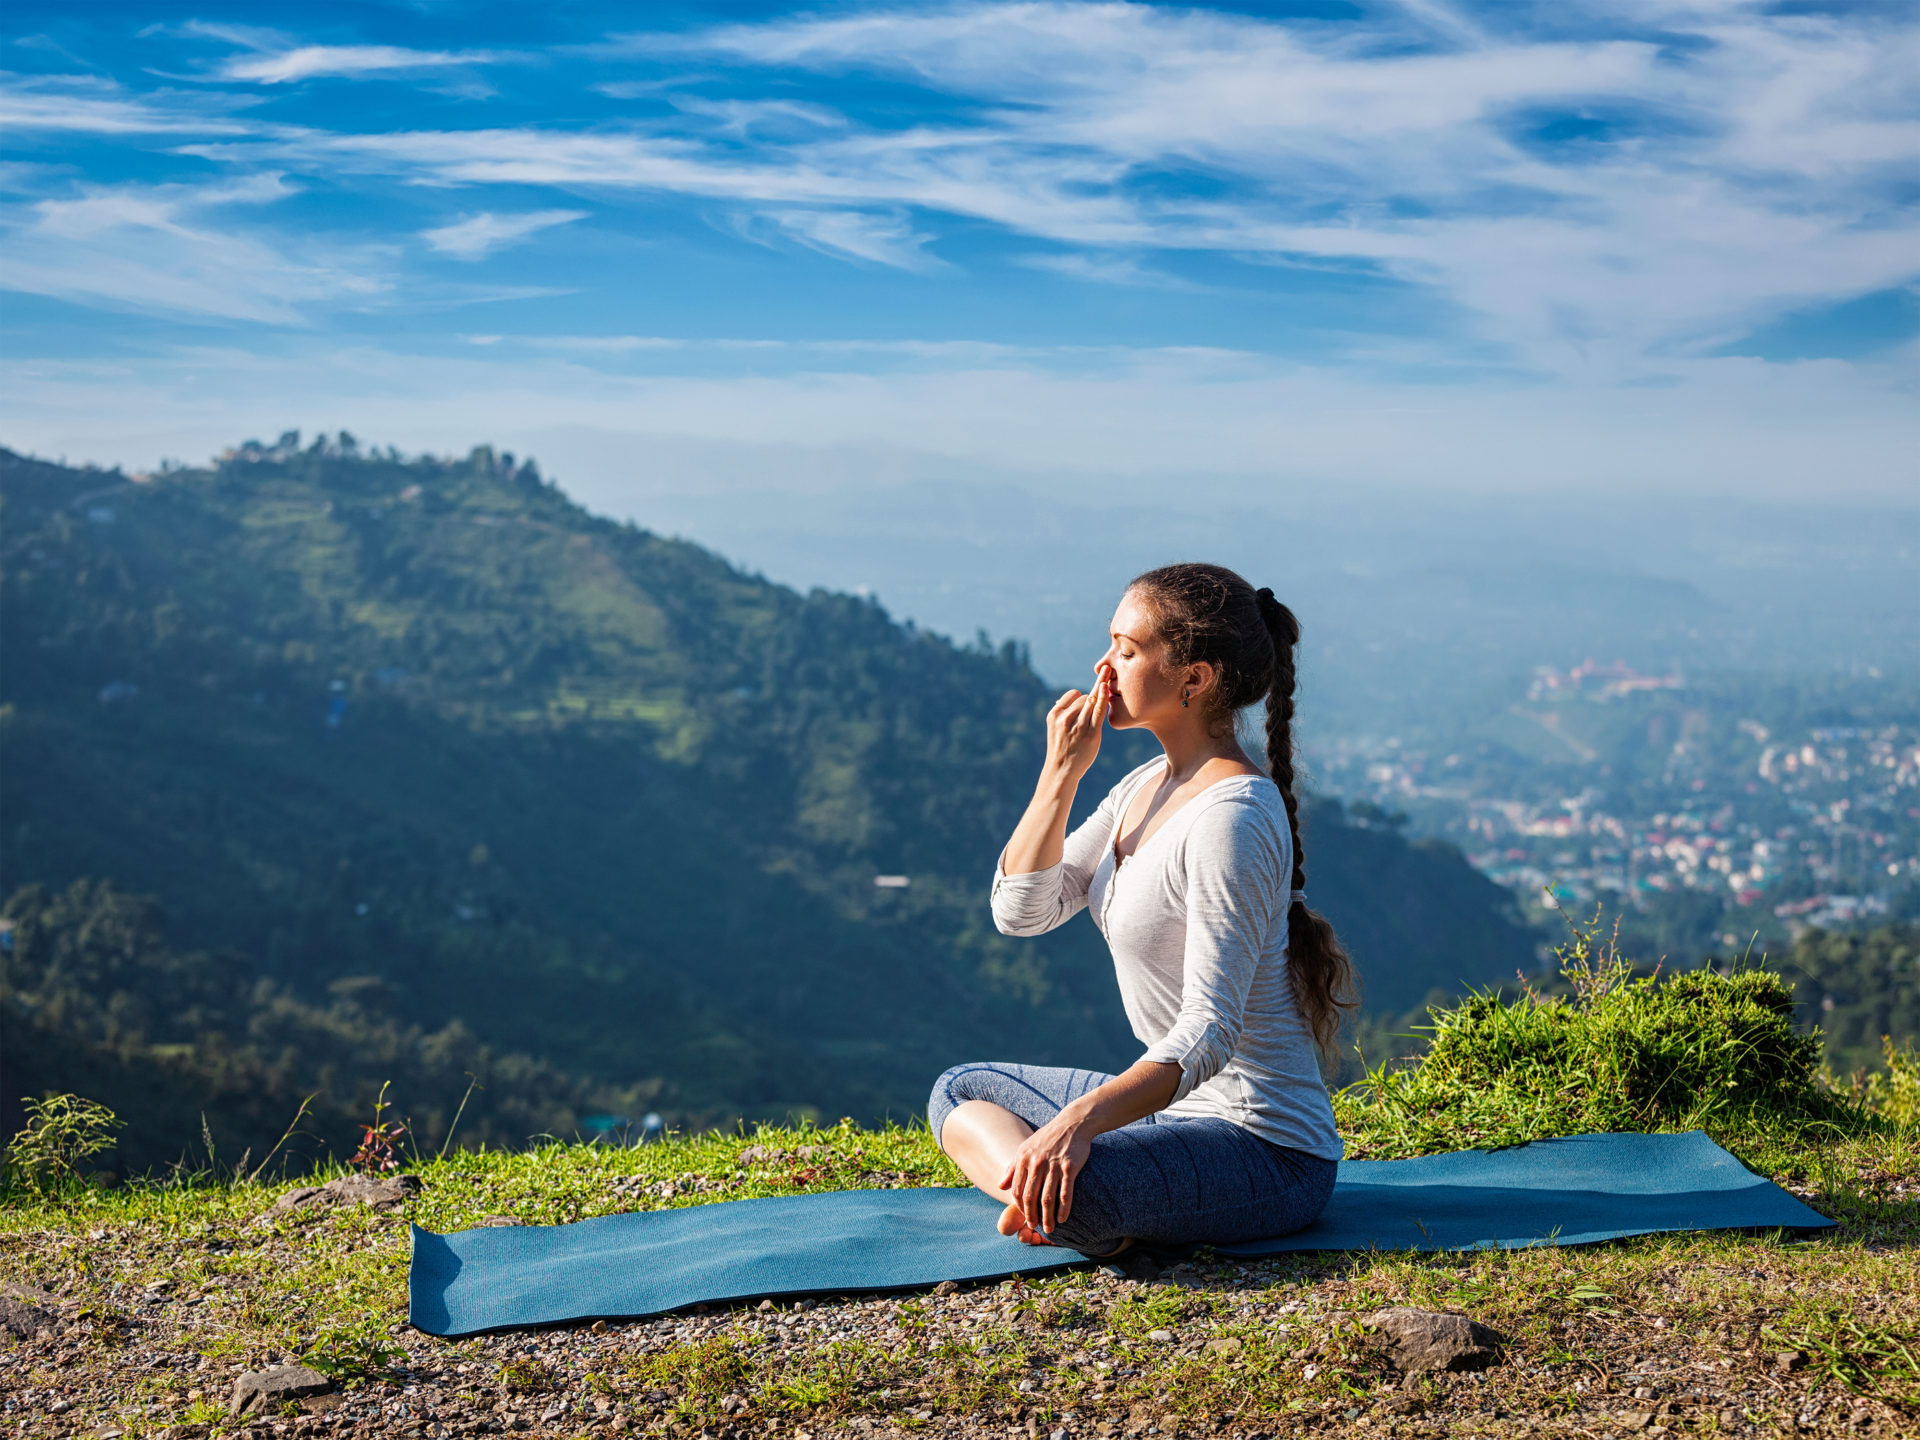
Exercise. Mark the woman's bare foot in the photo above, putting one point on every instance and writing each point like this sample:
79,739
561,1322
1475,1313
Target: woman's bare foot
1012,1222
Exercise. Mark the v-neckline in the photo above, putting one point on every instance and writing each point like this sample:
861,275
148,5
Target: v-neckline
1119,860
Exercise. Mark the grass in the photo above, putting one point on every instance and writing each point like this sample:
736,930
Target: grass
1683,1332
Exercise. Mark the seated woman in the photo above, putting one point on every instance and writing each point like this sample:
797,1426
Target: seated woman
1191,866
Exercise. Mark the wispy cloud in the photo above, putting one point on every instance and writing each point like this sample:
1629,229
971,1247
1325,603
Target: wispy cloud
1763,168
275,58
1123,270
478,236
309,62
888,240
83,104
157,249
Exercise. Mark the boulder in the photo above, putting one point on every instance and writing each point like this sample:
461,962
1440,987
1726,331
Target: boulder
265,1391
382,1192
1433,1340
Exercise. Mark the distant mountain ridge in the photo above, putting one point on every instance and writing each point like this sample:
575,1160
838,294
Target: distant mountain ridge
426,730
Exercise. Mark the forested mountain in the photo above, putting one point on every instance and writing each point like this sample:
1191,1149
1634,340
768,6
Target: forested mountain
429,772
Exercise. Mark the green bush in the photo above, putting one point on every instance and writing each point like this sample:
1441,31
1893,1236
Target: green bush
1700,1050
1895,1093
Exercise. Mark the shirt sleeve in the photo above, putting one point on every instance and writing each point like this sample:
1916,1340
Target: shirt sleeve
1043,900
1234,870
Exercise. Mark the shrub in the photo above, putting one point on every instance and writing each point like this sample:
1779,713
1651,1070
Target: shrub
1699,1050
1895,1093
62,1133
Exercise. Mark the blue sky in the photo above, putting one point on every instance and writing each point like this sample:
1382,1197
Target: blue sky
1630,244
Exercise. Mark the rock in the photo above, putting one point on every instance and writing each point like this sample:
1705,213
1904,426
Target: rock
382,1192
947,1287
23,1321
1634,1419
1226,1345
1432,1340
1791,1360
1186,1276
498,1222
32,1294
1160,1336
265,1391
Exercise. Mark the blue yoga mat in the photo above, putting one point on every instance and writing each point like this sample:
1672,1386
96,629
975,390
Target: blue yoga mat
1571,1191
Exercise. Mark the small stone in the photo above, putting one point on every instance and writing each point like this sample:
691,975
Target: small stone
947,1287
1791,1360
1226,1345
599,1327
499,1222
23,1321
381,1192
1162,1336
1187,1277
1433,1340
267,1390
764,1305
1117,1272
1633,1419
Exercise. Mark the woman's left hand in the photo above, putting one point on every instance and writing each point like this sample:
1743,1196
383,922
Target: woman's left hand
1040,1179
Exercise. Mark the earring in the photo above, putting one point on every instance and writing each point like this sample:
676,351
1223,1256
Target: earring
1183,699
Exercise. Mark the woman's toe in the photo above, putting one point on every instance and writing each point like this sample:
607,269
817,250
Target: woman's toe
1011,1221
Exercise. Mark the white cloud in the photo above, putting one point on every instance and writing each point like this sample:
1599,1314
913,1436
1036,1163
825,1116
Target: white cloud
1123,270
151,248
888,240
1764,172
310,62
478,236
88,106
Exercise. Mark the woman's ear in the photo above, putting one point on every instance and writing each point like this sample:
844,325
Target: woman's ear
1199,677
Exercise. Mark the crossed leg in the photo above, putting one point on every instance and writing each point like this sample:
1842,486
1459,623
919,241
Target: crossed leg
982,1138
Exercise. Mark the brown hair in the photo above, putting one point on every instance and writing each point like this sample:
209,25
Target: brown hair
1208,614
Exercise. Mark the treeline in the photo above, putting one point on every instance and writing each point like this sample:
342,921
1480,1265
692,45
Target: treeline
186,1045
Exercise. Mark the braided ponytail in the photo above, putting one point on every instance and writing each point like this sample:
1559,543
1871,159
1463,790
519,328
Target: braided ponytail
1318,965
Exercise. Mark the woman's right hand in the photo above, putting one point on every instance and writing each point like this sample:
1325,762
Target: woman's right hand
1074,725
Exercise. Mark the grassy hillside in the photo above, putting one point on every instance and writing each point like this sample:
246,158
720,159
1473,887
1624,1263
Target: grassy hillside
430,773
166,1290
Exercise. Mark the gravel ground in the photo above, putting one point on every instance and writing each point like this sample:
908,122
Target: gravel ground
1066,1355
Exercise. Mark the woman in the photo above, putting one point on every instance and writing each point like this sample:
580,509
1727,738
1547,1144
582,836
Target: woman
1222,1131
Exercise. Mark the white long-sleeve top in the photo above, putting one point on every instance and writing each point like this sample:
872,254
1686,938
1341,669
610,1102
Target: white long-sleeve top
1197,921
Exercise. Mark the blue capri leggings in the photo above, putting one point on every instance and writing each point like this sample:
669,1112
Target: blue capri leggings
1167,1180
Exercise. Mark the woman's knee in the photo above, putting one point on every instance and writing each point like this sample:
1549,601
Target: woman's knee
949,1092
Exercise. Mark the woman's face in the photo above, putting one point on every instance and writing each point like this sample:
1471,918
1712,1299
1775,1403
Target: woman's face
1138,689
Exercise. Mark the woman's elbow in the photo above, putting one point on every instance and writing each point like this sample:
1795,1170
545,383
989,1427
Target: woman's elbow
1008,923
